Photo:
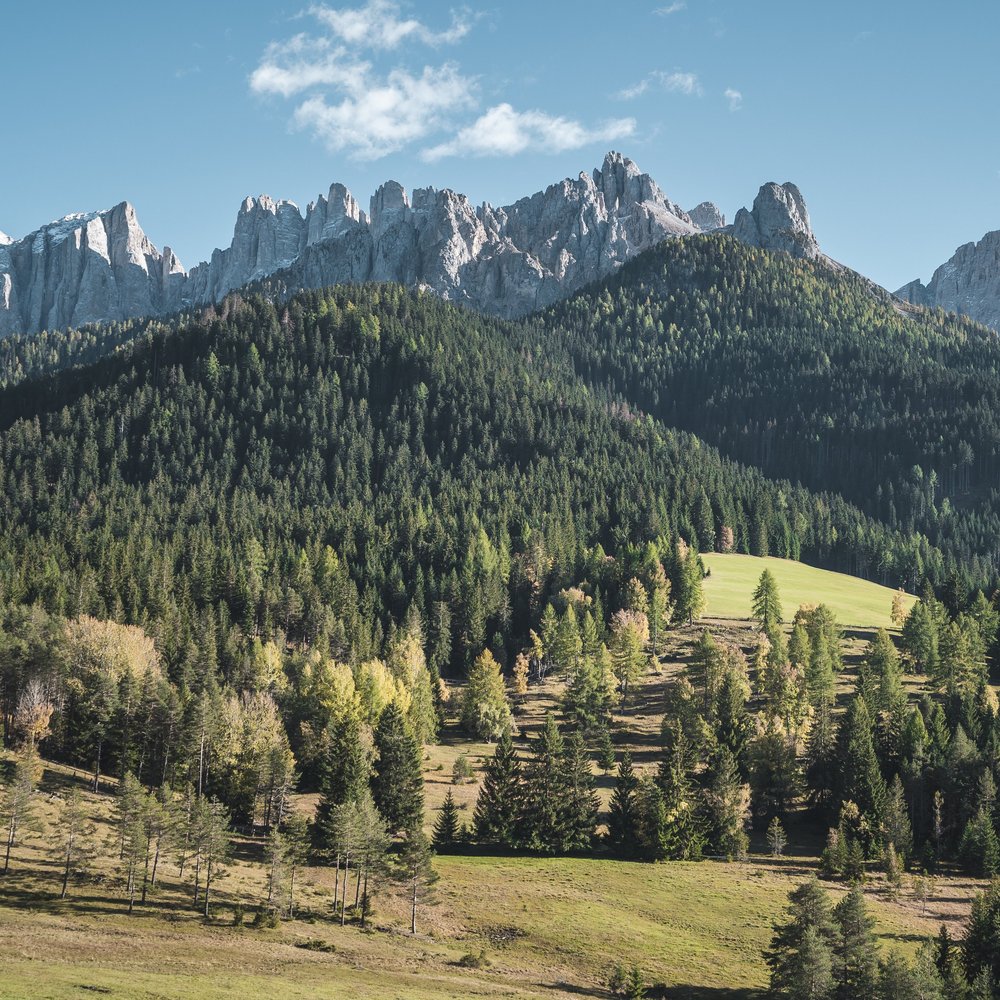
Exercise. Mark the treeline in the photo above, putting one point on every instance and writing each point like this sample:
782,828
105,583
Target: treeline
802,372
308,475
829,952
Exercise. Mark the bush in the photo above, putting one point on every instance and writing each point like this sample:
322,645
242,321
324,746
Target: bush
265,919
474,961
238,914
462,770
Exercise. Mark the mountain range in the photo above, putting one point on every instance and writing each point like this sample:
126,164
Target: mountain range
507,261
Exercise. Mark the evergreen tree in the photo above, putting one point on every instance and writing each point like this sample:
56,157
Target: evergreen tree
766,603
75,847
397,784
18,803
622,816
499,808
416,872
446,828
801,953
855,969
581,797
861,780
546,818
728,800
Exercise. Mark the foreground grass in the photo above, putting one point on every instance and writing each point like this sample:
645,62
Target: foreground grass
854,601
548,927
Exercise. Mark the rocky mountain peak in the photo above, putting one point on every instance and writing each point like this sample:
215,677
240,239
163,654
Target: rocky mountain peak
5,240
967,283
506,260
778,220
707,217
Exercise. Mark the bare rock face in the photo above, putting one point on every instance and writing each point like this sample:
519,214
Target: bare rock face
707,217
82,269
507,261
778,221
969,283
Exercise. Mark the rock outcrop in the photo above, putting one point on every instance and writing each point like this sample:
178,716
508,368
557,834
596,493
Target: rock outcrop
707,217
507,261
969,283
778,221
83,269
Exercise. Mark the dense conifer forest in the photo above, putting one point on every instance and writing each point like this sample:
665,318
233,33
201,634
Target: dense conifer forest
270,547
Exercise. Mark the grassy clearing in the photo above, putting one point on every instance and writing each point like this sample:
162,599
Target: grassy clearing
856,602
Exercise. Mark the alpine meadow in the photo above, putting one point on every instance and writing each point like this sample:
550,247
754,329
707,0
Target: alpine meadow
581,596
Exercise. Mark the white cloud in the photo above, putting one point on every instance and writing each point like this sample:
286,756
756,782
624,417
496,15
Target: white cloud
735,99
672,8
377,117
676,82
378,25
502,131
344,100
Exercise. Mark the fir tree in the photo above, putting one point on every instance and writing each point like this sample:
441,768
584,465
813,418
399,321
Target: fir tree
622,818
446,828
397,785
766,603
497,819
855,970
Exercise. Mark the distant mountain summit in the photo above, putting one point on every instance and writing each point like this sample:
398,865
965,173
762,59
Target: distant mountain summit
506,261
968,283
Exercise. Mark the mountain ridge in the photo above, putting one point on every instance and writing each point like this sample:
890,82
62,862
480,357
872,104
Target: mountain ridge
507,261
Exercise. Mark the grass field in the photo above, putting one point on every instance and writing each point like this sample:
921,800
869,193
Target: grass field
733,578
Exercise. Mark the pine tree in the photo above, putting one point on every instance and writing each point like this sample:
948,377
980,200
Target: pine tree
728,801
297,841
546,793
446,829
766,603
416,872
75,847
776,838
801,953
861,779
605,749
622,818
398,784
896,820
19,800
497,819
855,969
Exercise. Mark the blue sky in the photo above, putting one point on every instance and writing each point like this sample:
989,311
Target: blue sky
883,113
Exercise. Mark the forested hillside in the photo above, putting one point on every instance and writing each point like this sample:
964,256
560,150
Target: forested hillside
806,374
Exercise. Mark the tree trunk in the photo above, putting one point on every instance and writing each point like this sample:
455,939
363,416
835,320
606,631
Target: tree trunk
413,910
197,876
291,893
97,766
336,886
156,861
357,887
343,905
65,880
364,901
208,884
145,871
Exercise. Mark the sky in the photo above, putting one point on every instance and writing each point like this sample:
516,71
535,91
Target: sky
882,113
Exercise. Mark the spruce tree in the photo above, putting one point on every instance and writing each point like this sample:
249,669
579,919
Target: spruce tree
397,784
497,819
581,798
766,603
622,815
860,777
546,793
855,969
346,768
801,953
446,829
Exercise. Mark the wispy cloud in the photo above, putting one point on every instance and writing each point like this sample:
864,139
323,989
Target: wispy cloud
735,99
670,8
676,82
503,131
378,25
